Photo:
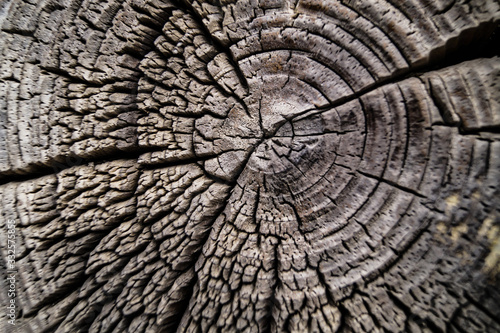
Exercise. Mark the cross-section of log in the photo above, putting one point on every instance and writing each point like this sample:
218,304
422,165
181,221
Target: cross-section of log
256,166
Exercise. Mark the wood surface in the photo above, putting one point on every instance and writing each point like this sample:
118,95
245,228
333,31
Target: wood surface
251,166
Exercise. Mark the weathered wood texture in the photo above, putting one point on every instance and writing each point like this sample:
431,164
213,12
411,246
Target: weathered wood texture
258,166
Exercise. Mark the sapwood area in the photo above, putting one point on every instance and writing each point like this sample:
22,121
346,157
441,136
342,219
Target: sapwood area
255,166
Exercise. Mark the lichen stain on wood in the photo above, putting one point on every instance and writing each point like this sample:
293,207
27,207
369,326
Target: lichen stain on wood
491,231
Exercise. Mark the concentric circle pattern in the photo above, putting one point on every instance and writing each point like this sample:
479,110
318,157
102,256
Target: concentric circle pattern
257,166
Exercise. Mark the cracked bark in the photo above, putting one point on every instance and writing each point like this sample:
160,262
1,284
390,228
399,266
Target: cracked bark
260,166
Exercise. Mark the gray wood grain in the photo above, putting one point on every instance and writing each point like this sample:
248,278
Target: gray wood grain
257,166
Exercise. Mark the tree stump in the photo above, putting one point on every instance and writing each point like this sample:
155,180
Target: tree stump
256,166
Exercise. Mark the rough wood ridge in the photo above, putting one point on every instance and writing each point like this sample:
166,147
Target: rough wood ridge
255,166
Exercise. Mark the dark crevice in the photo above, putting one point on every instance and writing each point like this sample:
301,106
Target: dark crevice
75,79
406,309
408,129
256,220
482,41
273,301
62,163
393,184
441,107
180,307
477,304
344,316
479,131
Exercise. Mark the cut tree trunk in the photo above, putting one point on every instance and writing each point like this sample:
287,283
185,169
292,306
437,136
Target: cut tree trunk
257,166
